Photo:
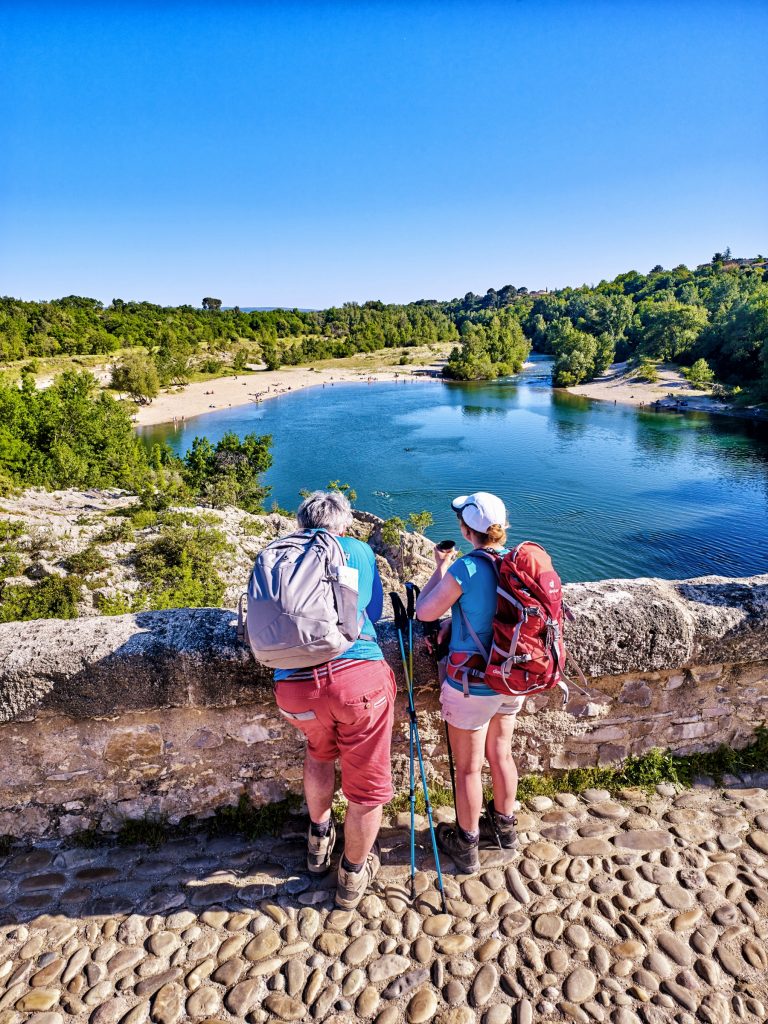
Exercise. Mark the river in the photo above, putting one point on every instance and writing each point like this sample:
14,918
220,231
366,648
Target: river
611,491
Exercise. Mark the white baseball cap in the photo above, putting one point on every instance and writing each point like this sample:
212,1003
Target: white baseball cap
480,511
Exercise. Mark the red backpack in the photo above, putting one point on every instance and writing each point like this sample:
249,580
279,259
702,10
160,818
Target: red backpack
527,655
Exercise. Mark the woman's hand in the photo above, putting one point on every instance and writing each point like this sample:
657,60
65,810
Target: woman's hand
443,558
433,643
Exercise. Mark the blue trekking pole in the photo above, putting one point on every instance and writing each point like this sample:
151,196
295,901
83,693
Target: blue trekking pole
401,616
399,612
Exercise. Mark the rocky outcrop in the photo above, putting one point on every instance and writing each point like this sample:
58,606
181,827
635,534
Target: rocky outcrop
647,624
58,526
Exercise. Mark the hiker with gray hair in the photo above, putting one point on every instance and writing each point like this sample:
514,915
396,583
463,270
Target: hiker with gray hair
342,703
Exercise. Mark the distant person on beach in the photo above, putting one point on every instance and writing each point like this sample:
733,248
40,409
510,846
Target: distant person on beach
480,725
345,709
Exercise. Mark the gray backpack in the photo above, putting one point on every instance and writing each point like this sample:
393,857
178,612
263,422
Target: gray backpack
301,602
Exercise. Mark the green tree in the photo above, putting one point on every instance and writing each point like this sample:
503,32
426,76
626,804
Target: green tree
136,375
229,473
240,360
670,328
173,358
209,303
420,522
575,353
700,374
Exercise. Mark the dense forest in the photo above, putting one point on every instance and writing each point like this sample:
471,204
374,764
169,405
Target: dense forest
712,320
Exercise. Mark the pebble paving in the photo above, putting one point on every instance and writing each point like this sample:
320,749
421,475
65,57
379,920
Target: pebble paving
642,909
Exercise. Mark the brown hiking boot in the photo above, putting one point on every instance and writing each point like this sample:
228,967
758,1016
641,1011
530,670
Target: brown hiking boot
320,850
463,854
500,828
351,885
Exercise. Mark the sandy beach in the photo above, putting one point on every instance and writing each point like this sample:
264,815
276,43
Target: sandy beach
226,392
672,390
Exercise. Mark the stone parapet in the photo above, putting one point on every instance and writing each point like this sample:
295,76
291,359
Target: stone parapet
110,718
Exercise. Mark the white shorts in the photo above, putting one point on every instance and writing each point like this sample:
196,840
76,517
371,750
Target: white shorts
476,711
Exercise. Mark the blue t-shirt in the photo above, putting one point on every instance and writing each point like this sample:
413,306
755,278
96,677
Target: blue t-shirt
370,604
477,579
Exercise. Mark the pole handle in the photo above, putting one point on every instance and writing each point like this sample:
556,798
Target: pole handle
399,612
412,592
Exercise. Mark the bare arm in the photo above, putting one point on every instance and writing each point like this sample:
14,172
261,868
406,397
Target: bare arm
441,590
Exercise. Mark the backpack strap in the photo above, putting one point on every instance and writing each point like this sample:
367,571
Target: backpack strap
472,633
242,621
335,585
485,556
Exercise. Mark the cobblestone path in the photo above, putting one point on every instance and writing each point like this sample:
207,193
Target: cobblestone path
639,909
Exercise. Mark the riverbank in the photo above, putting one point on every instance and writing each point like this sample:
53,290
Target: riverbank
228,392
618,384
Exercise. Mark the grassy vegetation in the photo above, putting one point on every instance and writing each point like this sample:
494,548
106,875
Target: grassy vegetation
439,796
643,772
246,820
652,768
151,831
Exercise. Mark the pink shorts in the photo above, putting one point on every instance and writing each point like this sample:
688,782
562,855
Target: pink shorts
347,713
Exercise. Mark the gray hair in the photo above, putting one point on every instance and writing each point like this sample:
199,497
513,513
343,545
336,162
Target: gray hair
326,510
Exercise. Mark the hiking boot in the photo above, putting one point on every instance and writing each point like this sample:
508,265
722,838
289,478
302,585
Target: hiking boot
463,854
351,885
319,851
499,827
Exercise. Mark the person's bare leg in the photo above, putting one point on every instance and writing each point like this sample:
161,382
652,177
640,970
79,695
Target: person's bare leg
498,750
468,755
361,826
319,787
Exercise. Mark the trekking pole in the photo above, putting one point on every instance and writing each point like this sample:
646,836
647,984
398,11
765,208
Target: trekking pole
400,617
451,769
412,593
399,613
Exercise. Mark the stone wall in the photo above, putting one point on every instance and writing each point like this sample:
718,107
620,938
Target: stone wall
105,719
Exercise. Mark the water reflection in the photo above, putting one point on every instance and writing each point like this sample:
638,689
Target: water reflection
610,490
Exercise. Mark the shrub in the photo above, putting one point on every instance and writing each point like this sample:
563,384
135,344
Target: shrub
119,530
86,562
52,598
178,568
229,472
143,518
11,562
647,371
136,375
118,604
700,374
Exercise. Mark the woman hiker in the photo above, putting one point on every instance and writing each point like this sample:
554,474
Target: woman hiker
480,726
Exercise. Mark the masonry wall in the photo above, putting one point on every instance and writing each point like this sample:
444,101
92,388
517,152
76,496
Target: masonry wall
105,719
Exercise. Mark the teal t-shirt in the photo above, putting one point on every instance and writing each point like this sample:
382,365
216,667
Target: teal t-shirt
370,604
477,579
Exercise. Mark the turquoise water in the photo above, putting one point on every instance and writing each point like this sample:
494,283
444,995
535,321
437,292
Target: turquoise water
611,491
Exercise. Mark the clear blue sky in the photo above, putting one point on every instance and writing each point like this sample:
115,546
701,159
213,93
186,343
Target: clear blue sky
312,153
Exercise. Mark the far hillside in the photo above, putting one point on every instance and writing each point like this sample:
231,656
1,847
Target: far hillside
712,321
